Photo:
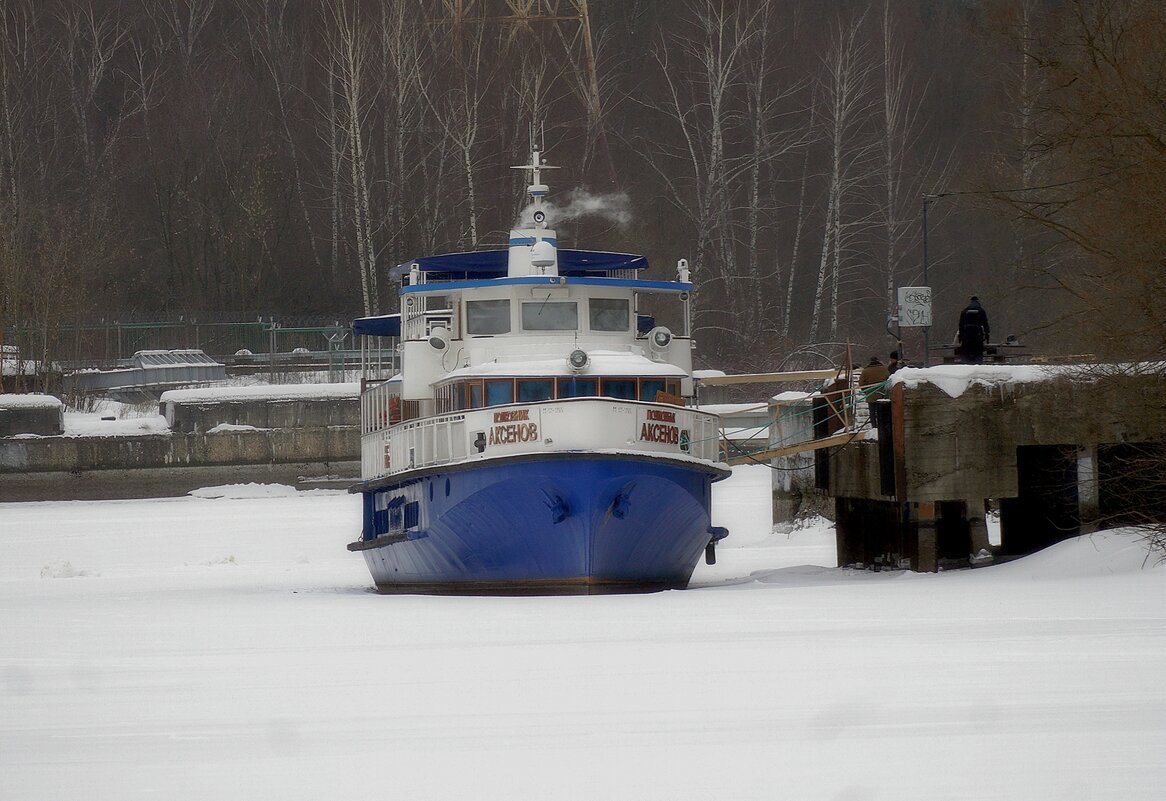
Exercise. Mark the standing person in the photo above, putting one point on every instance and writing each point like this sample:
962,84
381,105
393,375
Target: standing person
872,382
893,364
972,332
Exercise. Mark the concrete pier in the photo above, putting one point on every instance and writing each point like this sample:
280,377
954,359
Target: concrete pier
1054,451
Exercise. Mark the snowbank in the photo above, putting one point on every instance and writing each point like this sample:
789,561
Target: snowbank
245,491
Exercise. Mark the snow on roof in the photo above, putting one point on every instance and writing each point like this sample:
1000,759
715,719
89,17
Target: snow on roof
616,363
791,396
954,379
30,401
264,392
699,374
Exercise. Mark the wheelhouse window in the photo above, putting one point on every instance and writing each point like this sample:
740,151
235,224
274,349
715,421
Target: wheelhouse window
622,388
609,314
474,395
531,390
575,387
499,391
487,317
547,315
650,388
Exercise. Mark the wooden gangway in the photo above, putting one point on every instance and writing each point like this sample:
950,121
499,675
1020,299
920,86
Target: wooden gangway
842,407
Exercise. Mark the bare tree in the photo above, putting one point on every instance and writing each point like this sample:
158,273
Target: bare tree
273,43
348,62
846,105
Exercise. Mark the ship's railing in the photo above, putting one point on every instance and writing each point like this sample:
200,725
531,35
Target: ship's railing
579,424
380,406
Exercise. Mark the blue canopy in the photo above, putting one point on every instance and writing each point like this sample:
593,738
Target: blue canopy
386,325
492,263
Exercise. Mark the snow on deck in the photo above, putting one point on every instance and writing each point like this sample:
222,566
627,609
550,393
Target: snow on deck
603,363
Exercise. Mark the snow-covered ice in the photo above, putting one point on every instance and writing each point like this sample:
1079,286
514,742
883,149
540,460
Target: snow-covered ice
229,647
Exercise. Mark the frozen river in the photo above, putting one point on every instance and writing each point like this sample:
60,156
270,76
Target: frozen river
230,648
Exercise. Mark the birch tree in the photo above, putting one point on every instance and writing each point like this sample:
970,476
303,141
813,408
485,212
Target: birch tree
348,49
846,106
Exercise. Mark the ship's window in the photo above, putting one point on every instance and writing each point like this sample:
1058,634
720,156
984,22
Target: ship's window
499,391
445,398
622,388
577,387
484,317
609,314
531,390
475,393
547,315
649,387
673,388
412,514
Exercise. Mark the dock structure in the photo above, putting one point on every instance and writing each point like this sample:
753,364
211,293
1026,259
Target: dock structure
1054,451
1057,451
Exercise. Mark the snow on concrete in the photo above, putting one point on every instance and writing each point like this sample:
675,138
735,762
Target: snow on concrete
29,401
265,392
223,428
954,379
98,424
194,648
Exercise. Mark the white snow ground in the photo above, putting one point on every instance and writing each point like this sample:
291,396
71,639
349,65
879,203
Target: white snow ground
227,647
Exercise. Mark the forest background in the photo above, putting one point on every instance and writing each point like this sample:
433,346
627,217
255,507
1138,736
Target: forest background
230,159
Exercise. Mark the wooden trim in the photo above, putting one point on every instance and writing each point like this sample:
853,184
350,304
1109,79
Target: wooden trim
764,378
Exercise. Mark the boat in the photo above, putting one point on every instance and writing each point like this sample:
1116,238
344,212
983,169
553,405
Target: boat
536,438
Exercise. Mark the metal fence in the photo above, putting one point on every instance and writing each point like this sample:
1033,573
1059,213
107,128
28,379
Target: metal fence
277,346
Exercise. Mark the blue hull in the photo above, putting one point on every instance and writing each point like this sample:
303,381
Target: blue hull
562,523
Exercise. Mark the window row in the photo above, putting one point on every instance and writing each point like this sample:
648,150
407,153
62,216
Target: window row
489,317
479,393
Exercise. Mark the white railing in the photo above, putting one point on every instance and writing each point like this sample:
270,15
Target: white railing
376,406
579,424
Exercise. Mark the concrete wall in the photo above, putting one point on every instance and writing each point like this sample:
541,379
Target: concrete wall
285,439
78,454
198,417
966,447
170,481
31,419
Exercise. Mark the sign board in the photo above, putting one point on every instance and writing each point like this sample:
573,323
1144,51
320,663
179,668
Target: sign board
914,306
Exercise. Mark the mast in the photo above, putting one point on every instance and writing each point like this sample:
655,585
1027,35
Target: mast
533,248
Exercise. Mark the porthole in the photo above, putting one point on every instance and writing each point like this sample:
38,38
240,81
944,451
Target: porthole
447,488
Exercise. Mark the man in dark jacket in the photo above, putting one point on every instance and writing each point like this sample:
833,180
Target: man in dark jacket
972,332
